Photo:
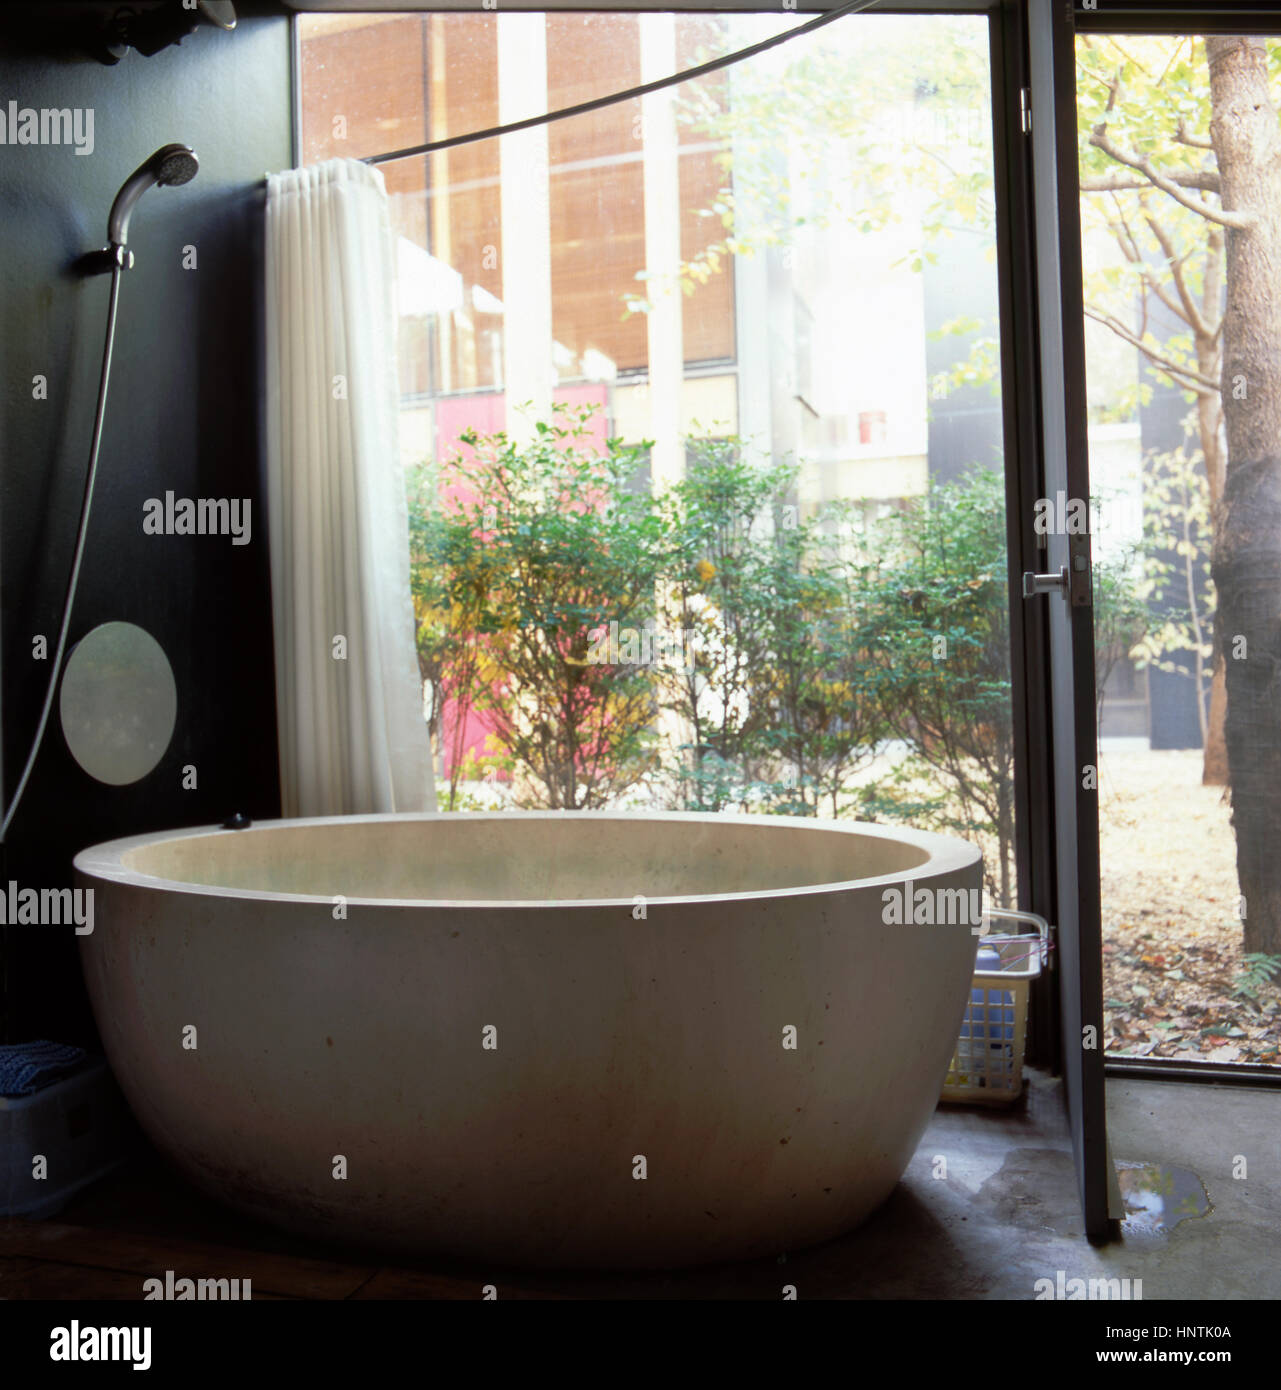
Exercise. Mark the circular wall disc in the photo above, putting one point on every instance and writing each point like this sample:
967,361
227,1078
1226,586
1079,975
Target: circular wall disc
118,703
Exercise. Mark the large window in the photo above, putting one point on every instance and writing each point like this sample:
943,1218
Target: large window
701,408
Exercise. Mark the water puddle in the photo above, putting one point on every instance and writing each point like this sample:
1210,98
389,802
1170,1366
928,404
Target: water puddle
1158,1196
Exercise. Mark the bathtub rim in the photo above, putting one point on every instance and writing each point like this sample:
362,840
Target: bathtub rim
946,854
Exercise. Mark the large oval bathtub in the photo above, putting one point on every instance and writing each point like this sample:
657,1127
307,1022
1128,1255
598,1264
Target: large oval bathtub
545,1039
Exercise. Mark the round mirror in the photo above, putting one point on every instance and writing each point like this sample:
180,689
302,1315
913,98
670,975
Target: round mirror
118,703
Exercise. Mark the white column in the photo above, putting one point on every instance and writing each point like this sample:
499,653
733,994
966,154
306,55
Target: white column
660,157
752,346
661,172
526,224
439,194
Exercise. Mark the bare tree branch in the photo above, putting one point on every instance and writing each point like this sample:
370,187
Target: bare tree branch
1169,62
1125,239
1130,245
1192,312
1185,137
1207,180
1110,83
1188,377
1130,59
1174,306
1100,140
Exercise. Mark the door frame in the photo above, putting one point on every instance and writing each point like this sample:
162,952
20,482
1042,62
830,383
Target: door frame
1069,675
1184,17
1035,856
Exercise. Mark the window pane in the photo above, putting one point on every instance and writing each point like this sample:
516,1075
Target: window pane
1192,945
775,289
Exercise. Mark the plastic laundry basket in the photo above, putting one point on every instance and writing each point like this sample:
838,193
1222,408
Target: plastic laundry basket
987,1066
80,1126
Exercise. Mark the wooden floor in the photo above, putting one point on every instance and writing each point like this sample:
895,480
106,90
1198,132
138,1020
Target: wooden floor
145,1219
47,1260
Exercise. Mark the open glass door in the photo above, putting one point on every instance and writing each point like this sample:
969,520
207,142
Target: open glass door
1063,583
1178,245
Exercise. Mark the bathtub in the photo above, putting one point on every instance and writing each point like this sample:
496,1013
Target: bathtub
535,1039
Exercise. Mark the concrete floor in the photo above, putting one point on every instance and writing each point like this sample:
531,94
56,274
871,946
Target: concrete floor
1001,1214
1008,1214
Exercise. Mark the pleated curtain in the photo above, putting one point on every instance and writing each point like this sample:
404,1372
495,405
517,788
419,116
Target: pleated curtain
352,735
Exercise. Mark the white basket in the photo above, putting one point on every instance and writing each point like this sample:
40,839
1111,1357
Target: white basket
78,1123
987,1066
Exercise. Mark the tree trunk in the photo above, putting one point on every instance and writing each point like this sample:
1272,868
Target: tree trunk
1247,556
1214,761
1214,766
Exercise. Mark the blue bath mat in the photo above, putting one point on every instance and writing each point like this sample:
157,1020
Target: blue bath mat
29,1067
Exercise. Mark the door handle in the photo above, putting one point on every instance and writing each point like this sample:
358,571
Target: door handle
1034,584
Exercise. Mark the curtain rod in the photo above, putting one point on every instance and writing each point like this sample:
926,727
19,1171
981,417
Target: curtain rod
686,75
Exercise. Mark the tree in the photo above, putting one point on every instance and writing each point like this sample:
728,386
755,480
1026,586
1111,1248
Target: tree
935,648
845,130
542,547
450,580
716,589
1122,618
936,630
820,110
1176,594
1149,167
827,723
1247,551
1227,177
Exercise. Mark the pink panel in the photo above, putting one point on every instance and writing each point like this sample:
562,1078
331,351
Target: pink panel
487,414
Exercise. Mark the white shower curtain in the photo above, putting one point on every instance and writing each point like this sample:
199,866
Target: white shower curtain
352,735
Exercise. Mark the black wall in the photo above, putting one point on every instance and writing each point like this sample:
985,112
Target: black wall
184,413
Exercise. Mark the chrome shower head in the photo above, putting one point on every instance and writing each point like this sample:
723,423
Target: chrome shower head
171,165
176,165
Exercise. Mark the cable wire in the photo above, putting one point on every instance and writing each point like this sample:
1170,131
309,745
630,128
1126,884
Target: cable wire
685,75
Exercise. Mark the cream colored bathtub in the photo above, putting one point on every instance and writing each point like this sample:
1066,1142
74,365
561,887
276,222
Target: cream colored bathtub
543,1039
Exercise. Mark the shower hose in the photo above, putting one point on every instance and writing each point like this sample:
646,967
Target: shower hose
74,578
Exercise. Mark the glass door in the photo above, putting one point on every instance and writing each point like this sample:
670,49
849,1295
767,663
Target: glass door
1180,200
1063,582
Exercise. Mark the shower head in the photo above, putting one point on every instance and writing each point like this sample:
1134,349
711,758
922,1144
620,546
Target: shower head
171,164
